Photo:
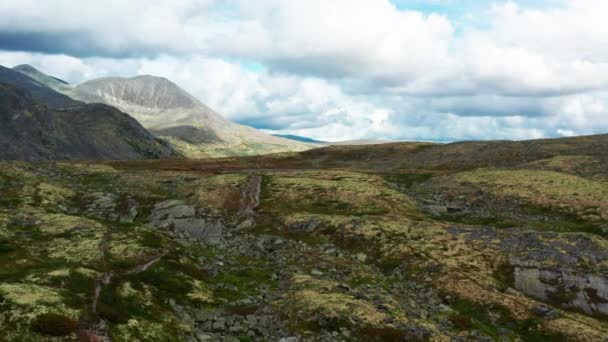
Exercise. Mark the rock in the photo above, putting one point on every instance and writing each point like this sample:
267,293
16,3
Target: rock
245,225
438,209
289,339
179,216
103,205
219,325
204,337
131,214
203,316
209,233
343,287
237,328
361,257
171,209
345,332
316,272
546,311
252,320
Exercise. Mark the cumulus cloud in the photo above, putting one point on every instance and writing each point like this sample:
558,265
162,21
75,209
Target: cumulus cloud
342,69
112,28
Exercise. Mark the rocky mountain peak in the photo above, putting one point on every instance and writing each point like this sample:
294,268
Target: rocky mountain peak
145,91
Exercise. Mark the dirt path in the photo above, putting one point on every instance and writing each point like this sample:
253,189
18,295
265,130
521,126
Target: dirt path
143,267
250,197
92,328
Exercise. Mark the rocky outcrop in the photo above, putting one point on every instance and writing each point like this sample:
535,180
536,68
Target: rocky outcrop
179,217
565,270
567,288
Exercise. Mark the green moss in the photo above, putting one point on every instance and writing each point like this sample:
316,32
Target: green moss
6,246
389,265
247,281
407,180
504,273
472,220
488,319
559,221
118,309
385,334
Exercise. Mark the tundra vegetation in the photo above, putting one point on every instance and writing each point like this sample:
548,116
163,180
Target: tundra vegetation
395,242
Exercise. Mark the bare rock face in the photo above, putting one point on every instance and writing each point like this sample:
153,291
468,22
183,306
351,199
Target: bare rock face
567,271
180,217
145,91
568,288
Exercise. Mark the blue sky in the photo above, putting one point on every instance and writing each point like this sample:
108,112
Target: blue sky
342,69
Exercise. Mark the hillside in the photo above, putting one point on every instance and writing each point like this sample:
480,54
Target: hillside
33,129
39,91
343,243
35,74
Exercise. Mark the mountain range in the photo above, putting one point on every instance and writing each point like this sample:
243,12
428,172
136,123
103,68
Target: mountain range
172,114
38,123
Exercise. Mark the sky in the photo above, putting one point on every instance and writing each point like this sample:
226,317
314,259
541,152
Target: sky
432,70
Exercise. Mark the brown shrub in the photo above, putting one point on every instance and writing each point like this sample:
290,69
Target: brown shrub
54,324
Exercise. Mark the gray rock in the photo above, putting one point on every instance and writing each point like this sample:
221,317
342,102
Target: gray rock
289,339
546,311
316,272
172,209
131,214
252,320
209,233
219,325
204,337
361,257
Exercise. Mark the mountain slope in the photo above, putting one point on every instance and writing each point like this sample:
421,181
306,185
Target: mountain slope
40,92
34,130
35,74
170,112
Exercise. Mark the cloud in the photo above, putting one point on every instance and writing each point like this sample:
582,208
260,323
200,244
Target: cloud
335,70
112,28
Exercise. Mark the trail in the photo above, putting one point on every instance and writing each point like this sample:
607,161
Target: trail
250,197
91,327
105,278
143,267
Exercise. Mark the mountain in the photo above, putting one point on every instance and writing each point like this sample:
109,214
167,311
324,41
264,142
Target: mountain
299,138
361,142
35,74
37,123
39,91
170,112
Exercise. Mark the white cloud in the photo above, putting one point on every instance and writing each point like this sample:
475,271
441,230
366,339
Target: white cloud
341,69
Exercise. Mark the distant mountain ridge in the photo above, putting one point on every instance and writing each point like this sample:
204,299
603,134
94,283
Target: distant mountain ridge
45,79
168,111
38,123
300,138
39,90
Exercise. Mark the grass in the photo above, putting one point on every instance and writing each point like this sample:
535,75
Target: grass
491,319
495,222
407,180
559,221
